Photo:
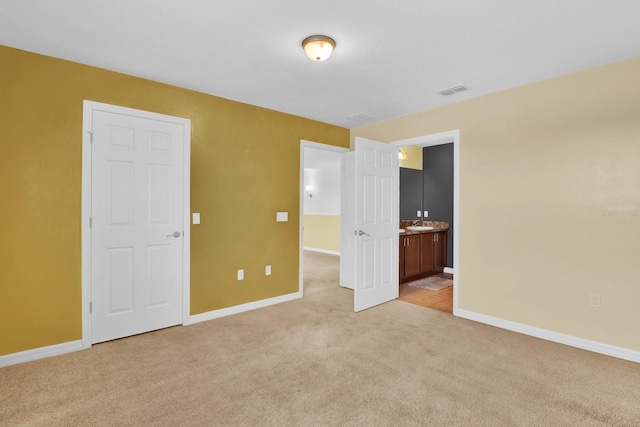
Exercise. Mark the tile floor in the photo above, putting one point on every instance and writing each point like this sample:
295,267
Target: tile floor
438,300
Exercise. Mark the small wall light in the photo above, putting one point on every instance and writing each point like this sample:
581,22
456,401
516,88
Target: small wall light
307,190
402,155
318,48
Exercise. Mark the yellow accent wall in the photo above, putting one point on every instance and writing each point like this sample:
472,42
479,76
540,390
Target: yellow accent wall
322,232
245,166
414,160
549,200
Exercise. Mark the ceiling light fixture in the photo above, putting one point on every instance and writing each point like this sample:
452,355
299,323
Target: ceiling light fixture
318,48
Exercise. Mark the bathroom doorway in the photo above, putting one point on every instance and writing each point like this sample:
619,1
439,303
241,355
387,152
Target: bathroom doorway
432,195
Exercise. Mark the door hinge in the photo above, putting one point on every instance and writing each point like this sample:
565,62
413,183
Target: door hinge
90,306
90,222
90,137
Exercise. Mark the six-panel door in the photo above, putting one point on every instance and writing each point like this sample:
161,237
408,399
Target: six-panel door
136,236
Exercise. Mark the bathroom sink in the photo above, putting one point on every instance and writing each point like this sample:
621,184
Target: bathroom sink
419,228
400,230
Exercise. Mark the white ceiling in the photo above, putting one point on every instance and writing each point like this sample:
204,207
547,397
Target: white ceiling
390,57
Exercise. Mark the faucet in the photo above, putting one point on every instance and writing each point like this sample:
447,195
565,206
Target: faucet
415,222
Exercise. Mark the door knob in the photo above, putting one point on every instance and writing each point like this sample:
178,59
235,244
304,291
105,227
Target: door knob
362,233
174,234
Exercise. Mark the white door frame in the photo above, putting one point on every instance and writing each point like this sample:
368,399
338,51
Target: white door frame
304,144
88,108
448,137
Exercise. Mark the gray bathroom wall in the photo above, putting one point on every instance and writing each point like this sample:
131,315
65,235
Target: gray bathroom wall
410,193
437,188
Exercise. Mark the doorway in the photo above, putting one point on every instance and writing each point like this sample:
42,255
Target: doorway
320,199
450,137
135,221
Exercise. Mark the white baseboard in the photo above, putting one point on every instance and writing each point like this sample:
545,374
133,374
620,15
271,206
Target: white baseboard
215,314
40,353
324,251
584,344
448,270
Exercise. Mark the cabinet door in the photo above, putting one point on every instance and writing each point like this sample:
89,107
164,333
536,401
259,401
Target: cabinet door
428,241
401,257
440,250
412,256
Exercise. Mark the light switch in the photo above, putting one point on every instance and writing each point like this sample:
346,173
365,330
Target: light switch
282,216
426,214
419,214
196,218
267,270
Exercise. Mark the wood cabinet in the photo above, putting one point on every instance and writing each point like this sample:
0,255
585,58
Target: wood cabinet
426,241
410,254
422,255
401,258
439,251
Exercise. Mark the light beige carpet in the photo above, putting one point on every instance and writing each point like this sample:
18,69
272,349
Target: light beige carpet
431,283
313,362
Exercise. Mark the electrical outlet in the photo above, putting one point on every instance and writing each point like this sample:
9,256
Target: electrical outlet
594,300
241,274
267,270
426,214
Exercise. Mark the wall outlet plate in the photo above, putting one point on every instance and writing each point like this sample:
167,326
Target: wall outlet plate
196,218
267,270
241,274
419,214
282,216
426,214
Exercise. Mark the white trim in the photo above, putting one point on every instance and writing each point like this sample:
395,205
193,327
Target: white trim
430,140
308,144
448,137
324,251
448,270
581,343
85,232
40,353
186,221
88,108
216,314
319,146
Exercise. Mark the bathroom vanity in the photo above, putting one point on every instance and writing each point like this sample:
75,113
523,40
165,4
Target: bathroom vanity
422,249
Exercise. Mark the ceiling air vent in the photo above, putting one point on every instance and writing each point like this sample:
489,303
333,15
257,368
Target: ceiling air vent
360,117
453,90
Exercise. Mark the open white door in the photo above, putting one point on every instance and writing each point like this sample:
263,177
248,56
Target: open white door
376,223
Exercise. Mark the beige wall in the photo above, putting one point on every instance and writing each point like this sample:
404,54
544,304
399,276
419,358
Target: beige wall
322,232
542,168
245,166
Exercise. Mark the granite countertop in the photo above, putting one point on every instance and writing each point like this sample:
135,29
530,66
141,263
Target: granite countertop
437,226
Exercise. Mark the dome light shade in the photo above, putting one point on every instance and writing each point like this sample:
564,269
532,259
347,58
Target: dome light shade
318,48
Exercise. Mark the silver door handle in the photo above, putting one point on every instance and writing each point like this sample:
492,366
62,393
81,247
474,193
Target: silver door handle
362,233
175,234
